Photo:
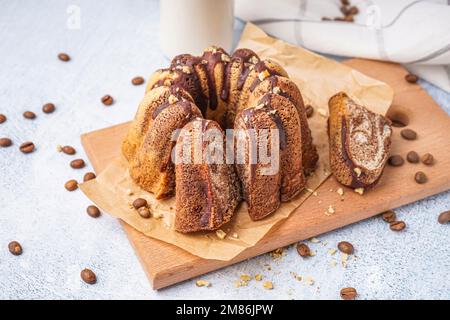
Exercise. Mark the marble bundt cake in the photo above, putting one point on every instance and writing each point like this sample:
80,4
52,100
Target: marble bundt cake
240,90
360,142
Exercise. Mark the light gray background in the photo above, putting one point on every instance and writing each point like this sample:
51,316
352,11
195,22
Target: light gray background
117,41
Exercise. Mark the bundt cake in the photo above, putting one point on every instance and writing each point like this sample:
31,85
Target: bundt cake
237,91
360,142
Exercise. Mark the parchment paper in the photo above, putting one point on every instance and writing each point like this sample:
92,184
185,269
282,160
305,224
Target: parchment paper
318,78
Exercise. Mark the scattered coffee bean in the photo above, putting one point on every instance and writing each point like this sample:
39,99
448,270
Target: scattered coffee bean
397,225
27,147
326,19
349,18
64,57
48,108
345,10
71,185
413,157
15,248
411,78
5,142
107,100
68,150
395,160
388,216
309,111
353,10
348,293
408,134
397,123
345,2
29,115
428,159
77,164
444,217
420,177
346,247
89,176
2,118
144,212
93,211
303,250
139,202
88,276
137,81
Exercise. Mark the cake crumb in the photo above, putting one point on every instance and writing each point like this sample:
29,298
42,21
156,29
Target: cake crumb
158,215
239,283
235,235
186,69
340,191
310,281
330,209
245,277
258,277
263,75
357,171
322,112
359,191
172,99
129,192
221,234
278,253
202,283
314,240
268,285
276,90
59,148
332,251
225,57
344,259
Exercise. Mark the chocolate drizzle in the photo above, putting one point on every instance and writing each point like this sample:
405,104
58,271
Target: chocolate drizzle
261,67
345,154
213,58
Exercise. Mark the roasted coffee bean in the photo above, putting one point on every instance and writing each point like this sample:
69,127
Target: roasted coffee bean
303,250
2,118
408,134
397,123
413,157
411,78
15,248
107,100
89,176
71,185
29,115
309,111
395,160
420,177
326,19
93,211
444,217
27,147
5,142
77,164
88,276
397,225
48,108
388,216
428,159
348,293
137,81
139,202
345,2
349,18
68,150
353,10
144,212
64,57
345,10
346,247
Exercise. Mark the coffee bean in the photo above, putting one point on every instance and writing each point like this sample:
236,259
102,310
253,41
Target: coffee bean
395,160
408,134
397,123
71,185
388,216
2,118
348,293
88,276
349,18
27,147
64,57
353,10
5,142
15,248
345,10
93,211
303,250
144,212
68,150
107,100
420,177
444,217
309,111
326,19
345,2
346,247
29,115
411,78
48,108
413,157
137,81
77,164
139,202
397,225
428,159
89,176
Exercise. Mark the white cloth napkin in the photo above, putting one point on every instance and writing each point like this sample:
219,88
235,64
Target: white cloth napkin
414,33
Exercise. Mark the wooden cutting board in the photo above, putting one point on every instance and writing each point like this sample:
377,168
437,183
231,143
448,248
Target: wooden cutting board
166,264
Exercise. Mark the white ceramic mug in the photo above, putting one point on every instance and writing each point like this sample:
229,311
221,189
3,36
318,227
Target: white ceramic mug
189,26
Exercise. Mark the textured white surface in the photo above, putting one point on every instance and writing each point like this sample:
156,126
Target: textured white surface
117,41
